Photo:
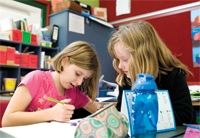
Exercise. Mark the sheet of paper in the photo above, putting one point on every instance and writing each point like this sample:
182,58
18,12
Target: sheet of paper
123,7
42,130
76,23
101,99
111,84
194,88
102,22
106,99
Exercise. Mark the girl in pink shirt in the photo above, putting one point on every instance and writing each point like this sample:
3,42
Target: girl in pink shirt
74,81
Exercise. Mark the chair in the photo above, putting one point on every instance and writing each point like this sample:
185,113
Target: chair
3,106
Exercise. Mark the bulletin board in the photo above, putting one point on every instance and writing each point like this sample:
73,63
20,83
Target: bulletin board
175,30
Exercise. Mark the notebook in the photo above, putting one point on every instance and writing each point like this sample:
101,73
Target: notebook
166,120
192,132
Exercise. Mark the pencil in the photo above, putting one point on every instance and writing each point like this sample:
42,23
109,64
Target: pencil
191,126
54,100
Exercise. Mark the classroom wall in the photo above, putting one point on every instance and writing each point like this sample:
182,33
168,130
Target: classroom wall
175,30
139,7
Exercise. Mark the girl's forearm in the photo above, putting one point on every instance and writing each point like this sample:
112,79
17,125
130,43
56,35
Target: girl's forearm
26,118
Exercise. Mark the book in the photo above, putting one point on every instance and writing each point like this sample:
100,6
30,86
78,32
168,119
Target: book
18,24
42,59
194,92
53,30
192,132
26,25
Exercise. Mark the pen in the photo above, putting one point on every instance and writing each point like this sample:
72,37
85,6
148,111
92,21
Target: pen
101,78
192,126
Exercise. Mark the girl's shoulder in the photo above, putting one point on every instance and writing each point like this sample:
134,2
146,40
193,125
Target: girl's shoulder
37,74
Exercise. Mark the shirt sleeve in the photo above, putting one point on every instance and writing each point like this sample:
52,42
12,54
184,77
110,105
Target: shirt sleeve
32,81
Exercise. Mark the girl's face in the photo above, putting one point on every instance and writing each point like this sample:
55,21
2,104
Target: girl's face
124,57
72,75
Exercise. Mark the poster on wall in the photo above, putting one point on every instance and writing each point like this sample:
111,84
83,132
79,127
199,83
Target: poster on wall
195,27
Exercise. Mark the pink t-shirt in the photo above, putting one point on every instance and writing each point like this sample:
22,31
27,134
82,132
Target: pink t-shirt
40,83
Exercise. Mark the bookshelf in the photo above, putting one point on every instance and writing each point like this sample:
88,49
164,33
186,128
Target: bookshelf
17,71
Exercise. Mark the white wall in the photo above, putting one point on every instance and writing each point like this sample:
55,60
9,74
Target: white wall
16,11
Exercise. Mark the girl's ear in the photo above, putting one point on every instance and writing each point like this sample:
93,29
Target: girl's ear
64,61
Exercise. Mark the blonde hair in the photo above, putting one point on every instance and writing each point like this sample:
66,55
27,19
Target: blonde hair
82,55
149,54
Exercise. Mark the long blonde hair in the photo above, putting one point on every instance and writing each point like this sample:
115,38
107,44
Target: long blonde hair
82,55
149,54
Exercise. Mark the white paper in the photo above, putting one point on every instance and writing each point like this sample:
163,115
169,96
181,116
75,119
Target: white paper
123,7
106,99
42,130
111,84
194,88
76,23
101,22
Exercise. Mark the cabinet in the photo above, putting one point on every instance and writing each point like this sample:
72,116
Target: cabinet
96,34
17,71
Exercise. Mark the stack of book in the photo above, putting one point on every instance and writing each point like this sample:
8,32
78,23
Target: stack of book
195,92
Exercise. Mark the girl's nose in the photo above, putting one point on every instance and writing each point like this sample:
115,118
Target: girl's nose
79,81
120,65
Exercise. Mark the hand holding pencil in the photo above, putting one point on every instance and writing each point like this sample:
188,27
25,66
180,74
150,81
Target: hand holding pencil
62,111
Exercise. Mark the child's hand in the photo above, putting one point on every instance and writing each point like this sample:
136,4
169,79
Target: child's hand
63,112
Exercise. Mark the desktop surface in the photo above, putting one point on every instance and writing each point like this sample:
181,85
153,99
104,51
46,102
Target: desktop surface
168,134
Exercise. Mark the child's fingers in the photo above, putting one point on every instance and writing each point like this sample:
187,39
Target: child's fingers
68,106
66,100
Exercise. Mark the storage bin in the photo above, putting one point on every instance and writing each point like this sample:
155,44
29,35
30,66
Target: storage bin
103,93
9,84
15,35
68,5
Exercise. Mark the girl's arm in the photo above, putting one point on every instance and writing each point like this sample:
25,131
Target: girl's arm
92,106
15,114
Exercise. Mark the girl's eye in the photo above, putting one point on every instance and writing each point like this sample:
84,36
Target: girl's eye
77,74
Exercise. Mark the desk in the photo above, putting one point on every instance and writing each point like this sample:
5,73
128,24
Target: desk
179,129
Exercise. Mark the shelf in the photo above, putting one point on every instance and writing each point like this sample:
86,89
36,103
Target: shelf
7,71
8,66
28,68
1,91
